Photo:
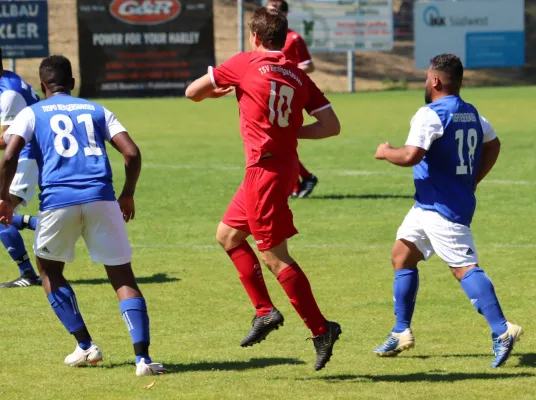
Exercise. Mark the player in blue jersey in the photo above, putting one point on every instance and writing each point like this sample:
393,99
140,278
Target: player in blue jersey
451,148
15,94
68,137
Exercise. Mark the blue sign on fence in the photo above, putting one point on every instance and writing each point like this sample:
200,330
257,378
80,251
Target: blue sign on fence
24,28
495,49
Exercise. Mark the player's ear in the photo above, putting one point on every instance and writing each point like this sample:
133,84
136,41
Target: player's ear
43,88
258,41
72,84
436,83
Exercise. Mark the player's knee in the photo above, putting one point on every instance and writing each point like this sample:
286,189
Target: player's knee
276,262
227,237
273,263
398,260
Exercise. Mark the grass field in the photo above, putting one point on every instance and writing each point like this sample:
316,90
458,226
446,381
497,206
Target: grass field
193,162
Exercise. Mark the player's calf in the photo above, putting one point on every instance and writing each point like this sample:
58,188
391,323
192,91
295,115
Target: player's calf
134,311
63,301
14,244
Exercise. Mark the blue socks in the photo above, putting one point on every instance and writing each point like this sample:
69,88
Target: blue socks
134,312
479,289
24,221
12,241
405,287
64,304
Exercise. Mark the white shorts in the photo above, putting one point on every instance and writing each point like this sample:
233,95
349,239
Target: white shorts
101,225
25,181
432,233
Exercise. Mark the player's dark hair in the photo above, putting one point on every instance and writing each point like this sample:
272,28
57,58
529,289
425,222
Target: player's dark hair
280,5
1,64
450,65
271,27
56,72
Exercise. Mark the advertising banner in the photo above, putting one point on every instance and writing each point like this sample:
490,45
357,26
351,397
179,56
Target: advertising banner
484,34
143,48
24,29
334,25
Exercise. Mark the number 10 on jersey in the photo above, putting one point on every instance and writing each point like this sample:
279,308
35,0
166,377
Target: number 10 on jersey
283,98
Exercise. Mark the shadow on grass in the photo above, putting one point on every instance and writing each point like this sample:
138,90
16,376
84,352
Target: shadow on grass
525,360
155,278
425,357
253,363
360,196
421,377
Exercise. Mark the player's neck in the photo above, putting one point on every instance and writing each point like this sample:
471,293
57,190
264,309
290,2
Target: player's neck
440,95
49,95
263,49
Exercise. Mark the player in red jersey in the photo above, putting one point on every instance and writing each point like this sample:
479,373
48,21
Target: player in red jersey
295,50
272,93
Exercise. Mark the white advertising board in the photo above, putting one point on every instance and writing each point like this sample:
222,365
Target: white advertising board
483,33
338,25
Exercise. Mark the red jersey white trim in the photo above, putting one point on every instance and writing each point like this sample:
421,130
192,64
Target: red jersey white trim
211,74
320,109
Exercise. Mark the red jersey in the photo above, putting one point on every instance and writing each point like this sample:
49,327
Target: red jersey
295,48
272,93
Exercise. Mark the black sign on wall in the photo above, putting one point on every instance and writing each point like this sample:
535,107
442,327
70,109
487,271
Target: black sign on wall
143,48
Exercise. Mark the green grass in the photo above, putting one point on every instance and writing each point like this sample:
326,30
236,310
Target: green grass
193,162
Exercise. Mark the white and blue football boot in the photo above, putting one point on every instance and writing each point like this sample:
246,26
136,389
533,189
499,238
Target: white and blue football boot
396,343
504,344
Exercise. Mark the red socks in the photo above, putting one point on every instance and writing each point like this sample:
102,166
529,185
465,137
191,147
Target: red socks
298,289
292,279
250,273
304,173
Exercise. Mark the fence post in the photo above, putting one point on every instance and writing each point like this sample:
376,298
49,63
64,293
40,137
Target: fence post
240,7
350,55
12,64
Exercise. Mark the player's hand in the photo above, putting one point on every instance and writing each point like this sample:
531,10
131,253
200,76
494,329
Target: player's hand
6,212
380,151
126,204
220,92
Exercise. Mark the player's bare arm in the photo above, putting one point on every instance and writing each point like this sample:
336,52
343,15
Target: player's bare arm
407,156
327,125
126,146
490,154
8,168
308,67
203,88
3,143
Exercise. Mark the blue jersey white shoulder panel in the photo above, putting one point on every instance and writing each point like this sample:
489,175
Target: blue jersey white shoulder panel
15,94
452,133
68,135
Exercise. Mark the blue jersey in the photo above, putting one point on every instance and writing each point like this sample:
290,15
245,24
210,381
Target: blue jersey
68,136
15,94
452,132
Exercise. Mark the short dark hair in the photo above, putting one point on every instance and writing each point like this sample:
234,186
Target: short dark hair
271,27
57,73
450,65
280,5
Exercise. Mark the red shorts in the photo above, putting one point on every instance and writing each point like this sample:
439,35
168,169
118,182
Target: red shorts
260,205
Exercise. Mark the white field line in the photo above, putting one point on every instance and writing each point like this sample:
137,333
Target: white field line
337,172
312,246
